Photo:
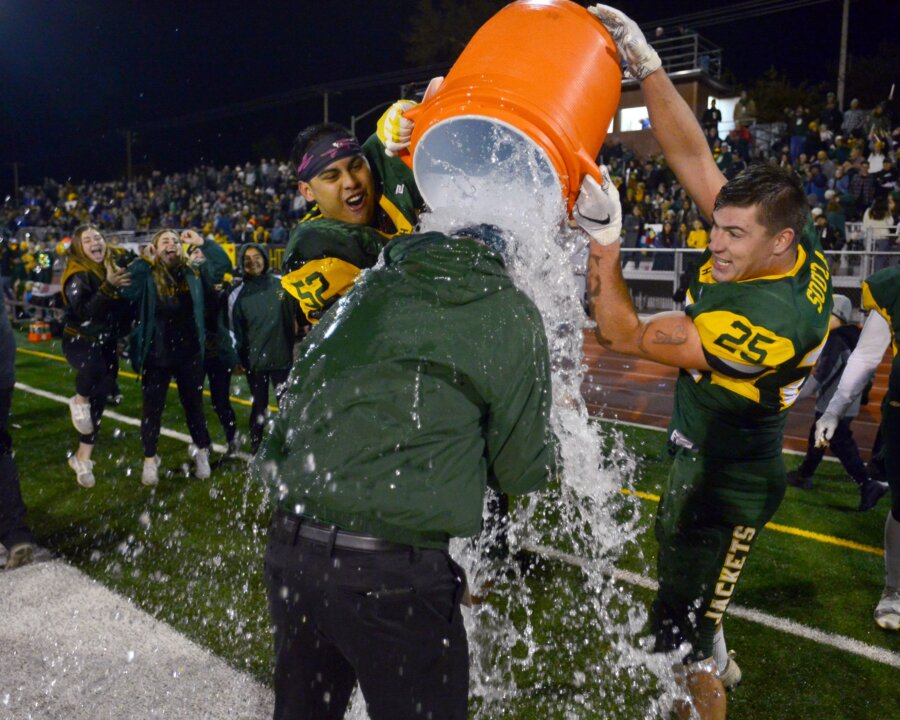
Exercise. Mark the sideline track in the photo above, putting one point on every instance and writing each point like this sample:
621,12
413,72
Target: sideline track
74,649
790,627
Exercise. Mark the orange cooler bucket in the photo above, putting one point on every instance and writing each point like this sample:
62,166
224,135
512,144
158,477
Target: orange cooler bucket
525,108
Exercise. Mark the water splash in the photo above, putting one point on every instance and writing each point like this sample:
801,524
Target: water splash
519,646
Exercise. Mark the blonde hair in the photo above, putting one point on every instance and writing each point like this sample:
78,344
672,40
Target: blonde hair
161,274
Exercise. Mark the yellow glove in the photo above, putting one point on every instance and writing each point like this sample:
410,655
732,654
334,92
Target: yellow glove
393,129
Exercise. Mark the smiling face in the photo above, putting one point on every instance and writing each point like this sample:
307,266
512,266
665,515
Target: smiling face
168,249
93,245
254,263
742,248
345,190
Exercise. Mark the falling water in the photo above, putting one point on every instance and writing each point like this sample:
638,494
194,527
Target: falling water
513,638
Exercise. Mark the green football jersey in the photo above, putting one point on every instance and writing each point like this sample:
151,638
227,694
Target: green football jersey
761,338
881,293
324,257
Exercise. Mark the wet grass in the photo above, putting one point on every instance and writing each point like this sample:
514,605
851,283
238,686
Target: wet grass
190,553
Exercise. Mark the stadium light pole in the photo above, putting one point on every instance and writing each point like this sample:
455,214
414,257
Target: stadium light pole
326,95
129,139
354,118
15,167
842,63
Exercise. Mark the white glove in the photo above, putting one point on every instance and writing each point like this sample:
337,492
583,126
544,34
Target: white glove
394,130
597,210
825,427
640,58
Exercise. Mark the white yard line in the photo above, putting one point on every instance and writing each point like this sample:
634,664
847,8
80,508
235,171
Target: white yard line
125,419
643,426
789,627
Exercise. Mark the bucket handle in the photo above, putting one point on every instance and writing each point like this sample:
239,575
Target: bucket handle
586,166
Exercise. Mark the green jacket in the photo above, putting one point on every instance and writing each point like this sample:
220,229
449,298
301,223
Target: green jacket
143,291
262,320
429,380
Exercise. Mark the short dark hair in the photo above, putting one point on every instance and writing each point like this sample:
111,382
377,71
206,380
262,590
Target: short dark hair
778,193
308,135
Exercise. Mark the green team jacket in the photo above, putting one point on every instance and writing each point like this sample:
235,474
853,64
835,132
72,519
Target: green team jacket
261,320
143,292
761,338
323,256
427,381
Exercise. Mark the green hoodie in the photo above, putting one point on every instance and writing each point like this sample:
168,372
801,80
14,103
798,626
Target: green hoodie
262,319
427,381
143,291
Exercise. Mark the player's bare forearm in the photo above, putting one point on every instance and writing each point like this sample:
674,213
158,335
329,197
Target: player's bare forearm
668,338
679,135
609,300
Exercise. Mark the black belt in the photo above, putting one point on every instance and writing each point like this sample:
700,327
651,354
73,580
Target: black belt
287,528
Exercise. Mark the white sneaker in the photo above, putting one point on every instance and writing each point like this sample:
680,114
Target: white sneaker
150,473
202,471
887,612
81,416
731,675
84,471
19,554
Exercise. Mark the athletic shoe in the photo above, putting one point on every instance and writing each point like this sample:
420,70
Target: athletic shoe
870,493
200,456
81,416
887,612
84,471
731,675
19,554
150,473
234,447
797,480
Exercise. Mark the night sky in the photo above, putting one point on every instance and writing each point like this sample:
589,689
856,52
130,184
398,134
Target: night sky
73,74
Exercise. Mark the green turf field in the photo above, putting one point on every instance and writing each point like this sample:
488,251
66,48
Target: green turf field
190,552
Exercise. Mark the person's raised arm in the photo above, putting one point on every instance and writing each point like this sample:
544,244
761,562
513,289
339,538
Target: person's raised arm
670,338
671,120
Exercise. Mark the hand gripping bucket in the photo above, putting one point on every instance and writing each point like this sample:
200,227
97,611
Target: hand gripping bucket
523,112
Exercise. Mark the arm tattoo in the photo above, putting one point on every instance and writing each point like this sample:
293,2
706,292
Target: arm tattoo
678,336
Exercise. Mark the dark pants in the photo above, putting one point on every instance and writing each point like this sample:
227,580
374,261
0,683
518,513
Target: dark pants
155,384
390,620
890,436
259,389
13,529
708,519
219,375
96,368
844,448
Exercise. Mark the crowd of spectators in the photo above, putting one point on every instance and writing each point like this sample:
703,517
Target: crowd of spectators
237,204
847,161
